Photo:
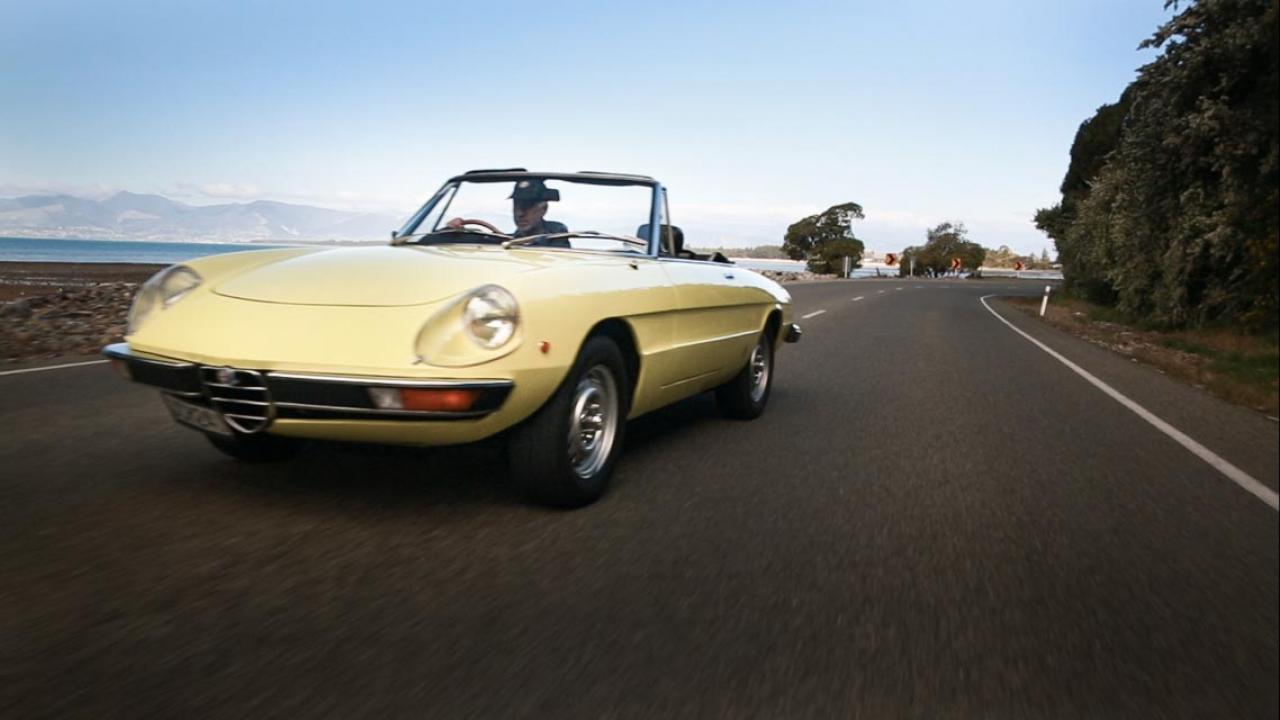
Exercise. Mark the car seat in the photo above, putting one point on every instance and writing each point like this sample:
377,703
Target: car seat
677,240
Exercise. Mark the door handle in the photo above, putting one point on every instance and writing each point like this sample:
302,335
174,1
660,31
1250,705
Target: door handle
728,276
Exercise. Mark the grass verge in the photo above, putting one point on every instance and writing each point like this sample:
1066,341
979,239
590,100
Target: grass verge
1241,369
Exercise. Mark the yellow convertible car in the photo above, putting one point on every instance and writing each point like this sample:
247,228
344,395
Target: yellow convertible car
549,307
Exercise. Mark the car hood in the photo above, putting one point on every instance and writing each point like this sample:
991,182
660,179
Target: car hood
377,276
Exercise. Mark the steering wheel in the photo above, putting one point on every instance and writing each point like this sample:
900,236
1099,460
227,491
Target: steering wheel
459,222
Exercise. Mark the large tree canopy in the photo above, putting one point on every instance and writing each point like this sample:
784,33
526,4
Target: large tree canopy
1096,139
825,239
1003,257
1180,224
942,243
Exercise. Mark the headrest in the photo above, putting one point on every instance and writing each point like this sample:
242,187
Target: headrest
677,236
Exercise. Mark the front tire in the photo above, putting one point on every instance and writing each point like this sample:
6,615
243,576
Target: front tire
257,448
564,455
744,397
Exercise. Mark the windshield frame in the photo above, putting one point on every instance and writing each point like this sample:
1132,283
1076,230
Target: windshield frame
449,189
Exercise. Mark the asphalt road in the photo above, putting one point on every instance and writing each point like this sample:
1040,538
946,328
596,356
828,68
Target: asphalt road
934,518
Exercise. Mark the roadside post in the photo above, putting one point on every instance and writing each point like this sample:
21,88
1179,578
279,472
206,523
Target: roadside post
847,262
1045,302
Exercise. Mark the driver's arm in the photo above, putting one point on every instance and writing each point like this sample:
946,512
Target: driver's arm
458,223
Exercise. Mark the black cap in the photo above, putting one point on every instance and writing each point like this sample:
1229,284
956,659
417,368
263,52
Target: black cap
531,191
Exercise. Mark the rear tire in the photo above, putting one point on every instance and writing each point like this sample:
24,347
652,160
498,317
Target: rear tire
744,397
257,448
564,454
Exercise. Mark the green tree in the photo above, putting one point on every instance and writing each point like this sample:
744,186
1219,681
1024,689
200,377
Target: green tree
1180,224
1043,263
1002,257
825,239
1095,141
942,243
830,259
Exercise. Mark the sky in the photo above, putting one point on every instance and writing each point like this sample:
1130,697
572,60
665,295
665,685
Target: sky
754,115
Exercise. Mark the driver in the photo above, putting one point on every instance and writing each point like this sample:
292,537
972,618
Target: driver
529,210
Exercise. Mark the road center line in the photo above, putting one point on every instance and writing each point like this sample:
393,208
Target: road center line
897,288
857,298
879,292
815,313
51,367
1235,474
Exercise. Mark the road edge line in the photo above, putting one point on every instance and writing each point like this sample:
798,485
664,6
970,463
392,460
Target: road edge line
20,371
1233,473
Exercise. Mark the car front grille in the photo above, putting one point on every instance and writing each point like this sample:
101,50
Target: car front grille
240,395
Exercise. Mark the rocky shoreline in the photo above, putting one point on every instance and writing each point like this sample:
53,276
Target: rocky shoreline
787,277
57,310
54,310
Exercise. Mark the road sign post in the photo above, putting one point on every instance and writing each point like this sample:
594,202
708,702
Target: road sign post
1045,302
848,262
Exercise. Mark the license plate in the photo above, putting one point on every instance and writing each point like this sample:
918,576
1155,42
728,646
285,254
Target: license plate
196,416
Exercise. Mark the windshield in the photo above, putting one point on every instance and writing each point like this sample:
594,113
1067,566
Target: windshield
537,211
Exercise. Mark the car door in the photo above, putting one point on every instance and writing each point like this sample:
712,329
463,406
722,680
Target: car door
717,318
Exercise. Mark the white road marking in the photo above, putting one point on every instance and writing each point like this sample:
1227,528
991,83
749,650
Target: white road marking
52,367
857,298
815,313
897,288
879,292
1235,474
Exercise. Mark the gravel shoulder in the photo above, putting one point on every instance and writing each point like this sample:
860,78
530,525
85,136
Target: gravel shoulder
1238,368
57,310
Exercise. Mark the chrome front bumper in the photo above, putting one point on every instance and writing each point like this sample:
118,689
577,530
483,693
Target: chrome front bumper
792,334
251,399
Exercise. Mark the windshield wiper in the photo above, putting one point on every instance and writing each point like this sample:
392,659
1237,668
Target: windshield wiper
533,239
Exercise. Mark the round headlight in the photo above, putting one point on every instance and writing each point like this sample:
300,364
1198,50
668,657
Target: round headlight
163,289
491,317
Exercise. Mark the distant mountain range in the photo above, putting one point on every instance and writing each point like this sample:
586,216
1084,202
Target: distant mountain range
131,216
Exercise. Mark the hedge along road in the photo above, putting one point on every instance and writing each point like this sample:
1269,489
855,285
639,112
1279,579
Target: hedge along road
934,516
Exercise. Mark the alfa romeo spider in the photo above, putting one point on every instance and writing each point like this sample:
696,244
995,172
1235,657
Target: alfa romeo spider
548,308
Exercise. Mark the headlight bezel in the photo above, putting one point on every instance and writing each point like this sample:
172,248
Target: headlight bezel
176,283
448,338
160,292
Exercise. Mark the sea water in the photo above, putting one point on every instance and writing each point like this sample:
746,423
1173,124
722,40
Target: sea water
113,251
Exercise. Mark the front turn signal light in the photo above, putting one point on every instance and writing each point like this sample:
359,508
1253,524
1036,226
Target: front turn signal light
428,399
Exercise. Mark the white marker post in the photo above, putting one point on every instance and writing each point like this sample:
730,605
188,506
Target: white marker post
1044,304
848,261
